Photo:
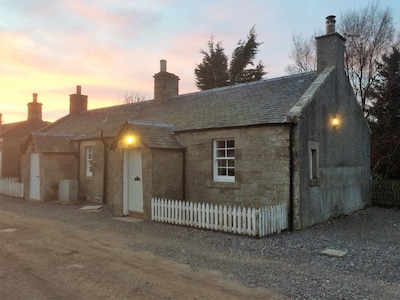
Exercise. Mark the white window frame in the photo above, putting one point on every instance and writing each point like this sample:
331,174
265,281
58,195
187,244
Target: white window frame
89,161
227,160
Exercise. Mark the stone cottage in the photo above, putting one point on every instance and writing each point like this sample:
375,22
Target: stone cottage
11,135
299,139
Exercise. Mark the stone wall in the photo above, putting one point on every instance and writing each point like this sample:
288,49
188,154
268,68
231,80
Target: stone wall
91,187
53,168
261,167
344,182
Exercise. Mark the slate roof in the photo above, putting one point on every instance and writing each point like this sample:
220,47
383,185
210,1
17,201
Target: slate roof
50,143
153,135
19,130
255,103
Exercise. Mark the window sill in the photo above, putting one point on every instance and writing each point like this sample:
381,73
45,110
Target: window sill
314,182
224,185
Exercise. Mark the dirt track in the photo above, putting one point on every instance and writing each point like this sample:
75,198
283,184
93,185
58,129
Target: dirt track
48,259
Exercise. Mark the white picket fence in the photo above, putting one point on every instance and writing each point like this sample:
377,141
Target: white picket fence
240,220
11,186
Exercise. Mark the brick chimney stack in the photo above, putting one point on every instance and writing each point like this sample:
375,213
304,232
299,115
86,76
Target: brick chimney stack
34,109
330,47
77,102
166,84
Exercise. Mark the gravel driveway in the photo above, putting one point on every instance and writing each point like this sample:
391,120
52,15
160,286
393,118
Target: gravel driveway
289,263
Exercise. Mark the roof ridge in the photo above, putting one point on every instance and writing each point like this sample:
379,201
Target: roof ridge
239,85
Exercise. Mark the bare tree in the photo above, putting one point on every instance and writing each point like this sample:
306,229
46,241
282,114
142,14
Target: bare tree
370,33
131,97
303,54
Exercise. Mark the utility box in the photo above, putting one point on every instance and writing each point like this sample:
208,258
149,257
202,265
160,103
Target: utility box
68,190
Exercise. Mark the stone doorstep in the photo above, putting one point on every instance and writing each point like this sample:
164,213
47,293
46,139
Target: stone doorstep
334,252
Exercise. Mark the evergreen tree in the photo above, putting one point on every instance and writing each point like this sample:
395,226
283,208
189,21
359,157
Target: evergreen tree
214,72
385,118
242,57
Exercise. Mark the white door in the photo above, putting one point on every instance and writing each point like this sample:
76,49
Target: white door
34,182
133,184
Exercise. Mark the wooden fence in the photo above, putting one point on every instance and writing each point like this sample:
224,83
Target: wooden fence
246,221
386,192
11,187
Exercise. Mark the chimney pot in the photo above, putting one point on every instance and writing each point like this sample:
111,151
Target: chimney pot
330,24
35,97
78,89
163,65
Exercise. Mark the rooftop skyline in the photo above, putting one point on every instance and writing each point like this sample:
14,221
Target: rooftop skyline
111,48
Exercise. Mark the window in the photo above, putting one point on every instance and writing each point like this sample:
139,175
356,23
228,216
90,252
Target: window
224,160
314,168
313,162
89,161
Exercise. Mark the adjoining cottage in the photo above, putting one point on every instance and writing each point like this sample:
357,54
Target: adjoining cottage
11,135
299,139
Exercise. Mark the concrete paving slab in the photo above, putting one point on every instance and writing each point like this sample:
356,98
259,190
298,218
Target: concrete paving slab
127,219
8,230
334,252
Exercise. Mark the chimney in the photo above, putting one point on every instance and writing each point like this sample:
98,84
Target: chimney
330,47
34,109
166,84
77,102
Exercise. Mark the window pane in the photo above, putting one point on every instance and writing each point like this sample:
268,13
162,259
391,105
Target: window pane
231,153
230,143
314,164
220,144
221,153
231,172
221,171
231,163
221,163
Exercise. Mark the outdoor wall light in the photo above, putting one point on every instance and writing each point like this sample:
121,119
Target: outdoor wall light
130,140
335,122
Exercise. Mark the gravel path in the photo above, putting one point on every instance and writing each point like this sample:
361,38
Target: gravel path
290,263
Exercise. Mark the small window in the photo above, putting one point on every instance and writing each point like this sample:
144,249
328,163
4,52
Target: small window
224,160
314,166
313,162
89,161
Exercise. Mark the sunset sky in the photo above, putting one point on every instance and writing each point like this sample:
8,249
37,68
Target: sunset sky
110,47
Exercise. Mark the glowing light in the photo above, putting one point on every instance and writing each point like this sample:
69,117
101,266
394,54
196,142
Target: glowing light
130,140
335,122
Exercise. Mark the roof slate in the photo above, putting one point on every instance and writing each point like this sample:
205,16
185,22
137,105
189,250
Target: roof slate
52,143
153,135
21,129
254,103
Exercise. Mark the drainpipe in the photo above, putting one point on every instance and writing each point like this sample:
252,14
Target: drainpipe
291,176
104,166
184,175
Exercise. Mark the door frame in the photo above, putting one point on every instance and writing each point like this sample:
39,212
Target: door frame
126,180
34,159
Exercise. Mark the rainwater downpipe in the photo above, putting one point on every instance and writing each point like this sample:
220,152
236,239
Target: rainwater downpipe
291,175
184,174
104,166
